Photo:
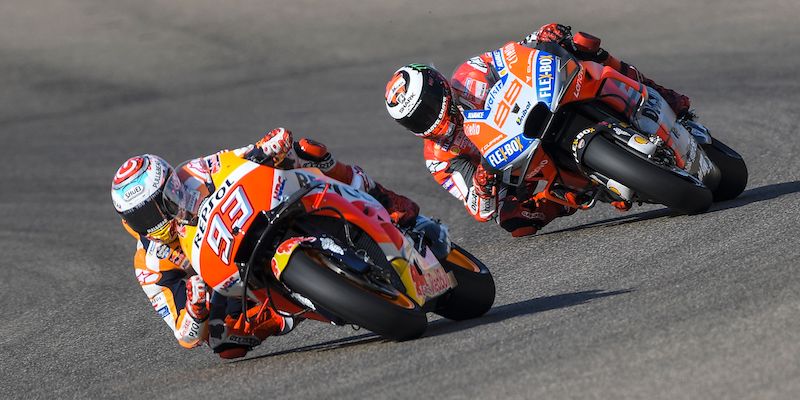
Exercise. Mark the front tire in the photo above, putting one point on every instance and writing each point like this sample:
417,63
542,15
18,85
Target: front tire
397,319
647,179
732,168
474,294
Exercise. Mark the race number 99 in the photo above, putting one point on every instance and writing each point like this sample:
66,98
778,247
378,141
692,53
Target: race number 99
504,108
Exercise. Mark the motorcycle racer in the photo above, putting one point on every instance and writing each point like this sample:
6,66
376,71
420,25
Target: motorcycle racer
421,99
141,196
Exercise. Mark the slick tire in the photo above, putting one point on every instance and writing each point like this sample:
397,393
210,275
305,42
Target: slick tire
645,178
398,319
732,167
474,295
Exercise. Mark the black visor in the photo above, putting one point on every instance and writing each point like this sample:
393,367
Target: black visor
148,217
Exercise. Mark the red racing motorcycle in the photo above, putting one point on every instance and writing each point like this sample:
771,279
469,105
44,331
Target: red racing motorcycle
555,125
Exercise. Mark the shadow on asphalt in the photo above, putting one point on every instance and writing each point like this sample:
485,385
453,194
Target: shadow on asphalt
444,326
755,195
368,337
532,306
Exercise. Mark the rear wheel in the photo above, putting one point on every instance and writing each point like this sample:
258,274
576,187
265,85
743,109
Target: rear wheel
474,294
395,317
648,180
732,168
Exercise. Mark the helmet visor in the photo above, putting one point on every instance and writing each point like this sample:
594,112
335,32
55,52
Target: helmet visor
180,201
430,113
148,217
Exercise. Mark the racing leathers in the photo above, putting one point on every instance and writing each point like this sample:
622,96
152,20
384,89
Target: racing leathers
455,162
168,279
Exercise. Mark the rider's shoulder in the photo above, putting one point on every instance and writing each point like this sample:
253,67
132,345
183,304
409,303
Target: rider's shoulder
445,149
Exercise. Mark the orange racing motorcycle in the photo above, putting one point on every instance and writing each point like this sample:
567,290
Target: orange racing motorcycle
574,132
312,247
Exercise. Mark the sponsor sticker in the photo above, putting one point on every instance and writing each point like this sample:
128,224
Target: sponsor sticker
435,166
213,163
147,277
477,63
523,114
545,80
476,114
135,191
448,184
277,192
472,129
511,53
163,311
499,64
328,244
507,152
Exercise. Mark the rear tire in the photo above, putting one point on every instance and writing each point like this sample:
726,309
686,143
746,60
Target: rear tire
732,168
647,179
474,294
399,319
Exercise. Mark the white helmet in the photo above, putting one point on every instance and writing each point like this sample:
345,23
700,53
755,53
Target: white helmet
137,191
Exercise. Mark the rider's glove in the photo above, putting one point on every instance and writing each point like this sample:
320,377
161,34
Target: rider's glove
553,33
484,183
276,144
196,298
402,210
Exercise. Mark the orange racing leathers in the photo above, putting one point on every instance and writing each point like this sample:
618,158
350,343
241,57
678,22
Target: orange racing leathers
162,269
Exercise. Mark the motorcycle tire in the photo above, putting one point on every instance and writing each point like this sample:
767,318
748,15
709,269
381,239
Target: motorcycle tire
648,180
475,292
731,166
397,319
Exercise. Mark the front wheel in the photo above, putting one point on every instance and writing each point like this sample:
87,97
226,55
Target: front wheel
732,167
474,294
397,318
648,180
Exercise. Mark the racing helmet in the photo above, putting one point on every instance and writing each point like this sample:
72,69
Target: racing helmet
136,191
419,98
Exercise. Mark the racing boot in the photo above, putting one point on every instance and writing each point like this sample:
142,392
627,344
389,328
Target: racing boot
524,220
233,336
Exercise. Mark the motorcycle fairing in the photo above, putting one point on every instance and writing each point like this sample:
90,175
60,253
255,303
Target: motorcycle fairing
241,193
527,77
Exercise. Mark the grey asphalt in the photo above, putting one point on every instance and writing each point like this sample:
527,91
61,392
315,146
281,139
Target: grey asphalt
602,304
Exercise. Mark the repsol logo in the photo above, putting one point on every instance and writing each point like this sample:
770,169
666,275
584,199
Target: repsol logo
210,203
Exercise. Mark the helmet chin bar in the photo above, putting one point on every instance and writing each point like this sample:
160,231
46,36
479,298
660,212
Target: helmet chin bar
165,234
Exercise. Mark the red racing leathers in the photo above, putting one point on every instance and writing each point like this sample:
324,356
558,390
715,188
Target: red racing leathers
163,269
453,160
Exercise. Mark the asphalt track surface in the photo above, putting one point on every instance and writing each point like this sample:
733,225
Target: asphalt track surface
644,304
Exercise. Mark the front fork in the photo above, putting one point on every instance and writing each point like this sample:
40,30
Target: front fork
430,234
